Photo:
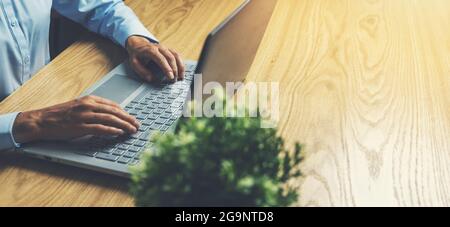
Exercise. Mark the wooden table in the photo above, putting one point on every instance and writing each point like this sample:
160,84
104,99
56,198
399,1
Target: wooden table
364,85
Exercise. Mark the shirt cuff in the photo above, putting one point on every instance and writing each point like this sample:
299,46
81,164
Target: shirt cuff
7,140
137,29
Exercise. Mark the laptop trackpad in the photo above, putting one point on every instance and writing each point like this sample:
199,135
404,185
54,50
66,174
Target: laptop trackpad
118,88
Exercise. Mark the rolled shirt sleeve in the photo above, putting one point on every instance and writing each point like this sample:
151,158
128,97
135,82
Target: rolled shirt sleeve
6,137
110,18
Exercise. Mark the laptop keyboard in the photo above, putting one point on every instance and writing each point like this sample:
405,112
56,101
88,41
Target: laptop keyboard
157,109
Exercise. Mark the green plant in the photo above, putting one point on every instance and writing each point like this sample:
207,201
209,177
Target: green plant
217,162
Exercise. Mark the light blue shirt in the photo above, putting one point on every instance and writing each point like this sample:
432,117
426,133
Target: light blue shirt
24,35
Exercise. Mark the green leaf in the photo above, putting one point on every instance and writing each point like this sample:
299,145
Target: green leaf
217,162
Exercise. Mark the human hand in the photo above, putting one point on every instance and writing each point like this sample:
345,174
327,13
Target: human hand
89,115
142,52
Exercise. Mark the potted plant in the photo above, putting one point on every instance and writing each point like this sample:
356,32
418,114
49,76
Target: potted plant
217,162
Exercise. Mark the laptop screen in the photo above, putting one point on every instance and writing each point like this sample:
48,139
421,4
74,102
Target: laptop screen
231,48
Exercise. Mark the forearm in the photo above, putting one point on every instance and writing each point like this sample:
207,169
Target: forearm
81,117
26,127
110,18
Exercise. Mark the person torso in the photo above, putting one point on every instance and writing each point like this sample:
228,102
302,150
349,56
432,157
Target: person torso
24,41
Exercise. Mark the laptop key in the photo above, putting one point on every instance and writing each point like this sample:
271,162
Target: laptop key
135,149
140,143
124,160
130,141
123,146
166,115
153,116
173,95
164,128
144,128
158,111
118,152
163,106
136,136
108,157
133,112
150,107
149,123
160,121
155,127
146,136
170,122
129,154
146,123
141,117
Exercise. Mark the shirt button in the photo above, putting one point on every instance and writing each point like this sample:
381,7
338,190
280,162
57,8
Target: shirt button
13,24
27,59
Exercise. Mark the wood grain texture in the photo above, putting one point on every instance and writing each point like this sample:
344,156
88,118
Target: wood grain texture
180,24
364,85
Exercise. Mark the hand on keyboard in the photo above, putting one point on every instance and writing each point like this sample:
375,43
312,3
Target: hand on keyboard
86,116
153,61
157,109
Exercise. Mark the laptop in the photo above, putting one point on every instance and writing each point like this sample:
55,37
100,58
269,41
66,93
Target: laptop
227,56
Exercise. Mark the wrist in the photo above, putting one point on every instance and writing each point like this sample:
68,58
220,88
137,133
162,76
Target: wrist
26,127
135,42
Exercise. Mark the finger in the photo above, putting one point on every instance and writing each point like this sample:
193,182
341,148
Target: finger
180,64
172,61
141,70
104,101
118,112
100,130
108,120
159,59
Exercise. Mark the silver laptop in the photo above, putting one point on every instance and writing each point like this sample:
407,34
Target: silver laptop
227,56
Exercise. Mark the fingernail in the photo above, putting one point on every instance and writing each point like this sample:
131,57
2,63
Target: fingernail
172,76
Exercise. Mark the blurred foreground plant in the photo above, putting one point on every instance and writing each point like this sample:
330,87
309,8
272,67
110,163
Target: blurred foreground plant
217,162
